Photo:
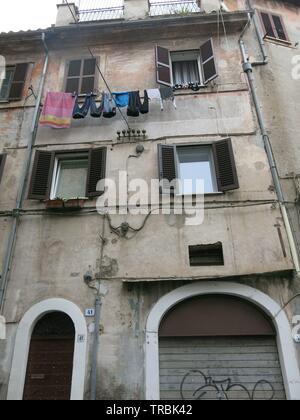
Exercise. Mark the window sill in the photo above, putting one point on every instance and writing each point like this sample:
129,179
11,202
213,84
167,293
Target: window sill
278,41
74,204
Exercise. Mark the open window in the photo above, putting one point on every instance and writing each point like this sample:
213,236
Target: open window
185,67
67,175
213,163
12,86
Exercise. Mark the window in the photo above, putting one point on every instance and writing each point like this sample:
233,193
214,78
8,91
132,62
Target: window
81,76
206,255
194,163
273,26
13,85
2,163
213,163
70,176
184,67
67,175
6,84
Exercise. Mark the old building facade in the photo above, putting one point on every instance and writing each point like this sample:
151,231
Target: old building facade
179,305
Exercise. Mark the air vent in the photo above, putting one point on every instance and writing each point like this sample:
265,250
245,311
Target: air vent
206,255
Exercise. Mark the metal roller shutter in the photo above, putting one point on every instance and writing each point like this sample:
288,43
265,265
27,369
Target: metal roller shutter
220,368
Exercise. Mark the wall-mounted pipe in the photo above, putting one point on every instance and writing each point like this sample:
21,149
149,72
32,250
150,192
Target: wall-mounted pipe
259,38
23,184
247,67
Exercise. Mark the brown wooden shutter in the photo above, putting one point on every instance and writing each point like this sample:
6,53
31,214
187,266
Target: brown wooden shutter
96,171
225,165
280,28
41,175
208,62
88,76
167,164
163,66
73,76
18,82
2,163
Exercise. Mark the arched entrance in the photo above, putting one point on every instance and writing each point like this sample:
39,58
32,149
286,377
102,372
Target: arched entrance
218,347
23,341
50,359
270,322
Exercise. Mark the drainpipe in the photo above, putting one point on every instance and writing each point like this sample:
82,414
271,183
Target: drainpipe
247,67
259,38
98,305
23,185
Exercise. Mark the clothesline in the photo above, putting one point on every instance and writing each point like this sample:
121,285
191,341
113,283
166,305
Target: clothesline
59,108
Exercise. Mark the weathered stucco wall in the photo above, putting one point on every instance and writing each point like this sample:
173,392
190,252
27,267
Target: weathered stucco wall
53,252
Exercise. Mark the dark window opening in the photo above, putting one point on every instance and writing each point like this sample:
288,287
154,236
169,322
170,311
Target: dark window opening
206,255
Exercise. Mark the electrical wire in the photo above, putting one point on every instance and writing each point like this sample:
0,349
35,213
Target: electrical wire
97,66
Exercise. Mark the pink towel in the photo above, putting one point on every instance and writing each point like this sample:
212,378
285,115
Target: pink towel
58,110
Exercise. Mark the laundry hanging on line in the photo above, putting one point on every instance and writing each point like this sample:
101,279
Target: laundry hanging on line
136,106
57,110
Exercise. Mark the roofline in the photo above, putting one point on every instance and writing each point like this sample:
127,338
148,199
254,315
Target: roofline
126,25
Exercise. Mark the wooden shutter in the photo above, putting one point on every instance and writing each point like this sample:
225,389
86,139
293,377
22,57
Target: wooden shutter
18,82
73,76
167,164
208,62
81,76
225,165
267,24
2,163
280,28
88,76
41,175
96,171
163,66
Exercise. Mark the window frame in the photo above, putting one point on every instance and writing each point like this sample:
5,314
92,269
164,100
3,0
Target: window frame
204,144
13,68
64,156
81,77
286,41
213,171
198,59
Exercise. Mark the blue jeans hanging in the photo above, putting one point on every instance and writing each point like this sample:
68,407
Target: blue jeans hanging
81,112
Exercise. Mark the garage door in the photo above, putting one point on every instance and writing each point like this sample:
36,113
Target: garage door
220,368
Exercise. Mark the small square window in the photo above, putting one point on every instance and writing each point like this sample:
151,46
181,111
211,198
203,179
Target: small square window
206,255
196,163
186,67
70,177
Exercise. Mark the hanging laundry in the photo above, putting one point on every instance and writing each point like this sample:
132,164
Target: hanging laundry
154,95
144,109
96,112
82,111
57,110
133,109
121,99
135,106
109,106
167,94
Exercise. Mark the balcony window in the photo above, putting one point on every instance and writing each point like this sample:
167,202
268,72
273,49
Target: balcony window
174,7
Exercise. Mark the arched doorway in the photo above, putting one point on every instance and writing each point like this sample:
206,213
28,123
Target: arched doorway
270,309
218,347
50,359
